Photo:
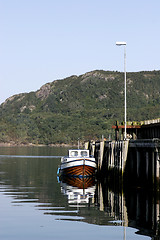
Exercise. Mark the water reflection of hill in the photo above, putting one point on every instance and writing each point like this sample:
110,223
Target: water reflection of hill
28,180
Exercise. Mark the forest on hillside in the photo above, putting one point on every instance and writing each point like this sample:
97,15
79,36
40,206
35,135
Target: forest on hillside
83,107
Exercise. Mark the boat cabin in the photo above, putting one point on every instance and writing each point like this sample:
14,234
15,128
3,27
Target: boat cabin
78,153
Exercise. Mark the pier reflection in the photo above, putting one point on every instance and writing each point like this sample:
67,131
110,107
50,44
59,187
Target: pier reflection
109,204
143,211
132,207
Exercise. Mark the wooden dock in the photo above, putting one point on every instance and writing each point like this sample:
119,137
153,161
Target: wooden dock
136,161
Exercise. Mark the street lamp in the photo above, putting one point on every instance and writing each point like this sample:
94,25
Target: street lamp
125,102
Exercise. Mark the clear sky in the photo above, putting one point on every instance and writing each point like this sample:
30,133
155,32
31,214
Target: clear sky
45,40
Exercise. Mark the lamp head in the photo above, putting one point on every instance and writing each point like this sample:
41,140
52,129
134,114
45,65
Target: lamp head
120,43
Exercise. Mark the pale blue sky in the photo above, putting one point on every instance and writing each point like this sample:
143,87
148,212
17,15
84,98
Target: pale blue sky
45,40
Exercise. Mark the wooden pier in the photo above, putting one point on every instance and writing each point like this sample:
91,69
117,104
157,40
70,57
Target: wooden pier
136,160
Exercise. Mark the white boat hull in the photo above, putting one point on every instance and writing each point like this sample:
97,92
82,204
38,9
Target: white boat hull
82,167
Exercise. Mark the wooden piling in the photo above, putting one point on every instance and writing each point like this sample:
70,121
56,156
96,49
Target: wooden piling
125,145
138,164
93,148
101,153
147,165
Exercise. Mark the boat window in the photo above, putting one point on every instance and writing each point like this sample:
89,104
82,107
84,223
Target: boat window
84,153
74,153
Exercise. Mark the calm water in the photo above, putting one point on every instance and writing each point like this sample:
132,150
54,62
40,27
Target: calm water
35,204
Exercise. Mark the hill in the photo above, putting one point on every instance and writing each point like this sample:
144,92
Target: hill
84,107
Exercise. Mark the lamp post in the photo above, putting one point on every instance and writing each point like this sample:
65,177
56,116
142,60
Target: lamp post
125,101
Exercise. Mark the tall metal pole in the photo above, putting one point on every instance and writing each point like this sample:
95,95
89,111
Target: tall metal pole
125,96
125,89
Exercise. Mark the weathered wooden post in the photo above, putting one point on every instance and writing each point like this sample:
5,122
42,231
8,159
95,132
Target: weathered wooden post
101,153
157,165
153,168
112,153
93,148
124,154
138,163
147,165
86,145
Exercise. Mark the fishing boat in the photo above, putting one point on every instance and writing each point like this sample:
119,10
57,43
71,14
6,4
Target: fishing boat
78,163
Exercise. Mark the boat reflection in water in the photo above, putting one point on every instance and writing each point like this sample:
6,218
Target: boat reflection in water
78,190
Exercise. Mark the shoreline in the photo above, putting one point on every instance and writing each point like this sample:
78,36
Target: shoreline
13,144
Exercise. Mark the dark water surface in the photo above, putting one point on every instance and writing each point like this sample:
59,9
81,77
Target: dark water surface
35,204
